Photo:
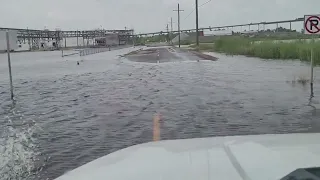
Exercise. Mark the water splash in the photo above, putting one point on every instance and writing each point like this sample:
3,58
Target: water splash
17,146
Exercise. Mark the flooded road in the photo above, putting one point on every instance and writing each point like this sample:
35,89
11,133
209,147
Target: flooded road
66,115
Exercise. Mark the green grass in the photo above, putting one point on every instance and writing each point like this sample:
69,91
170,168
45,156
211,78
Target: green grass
203,46
265,49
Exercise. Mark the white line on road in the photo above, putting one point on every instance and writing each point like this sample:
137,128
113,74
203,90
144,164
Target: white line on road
171,50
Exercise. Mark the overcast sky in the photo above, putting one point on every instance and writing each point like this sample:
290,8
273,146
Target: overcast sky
146,15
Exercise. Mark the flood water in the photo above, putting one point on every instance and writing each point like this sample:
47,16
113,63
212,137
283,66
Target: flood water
67,115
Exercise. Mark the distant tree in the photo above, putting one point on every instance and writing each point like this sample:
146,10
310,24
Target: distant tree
282,29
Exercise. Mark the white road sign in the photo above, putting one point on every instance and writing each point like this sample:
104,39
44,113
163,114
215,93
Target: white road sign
312,24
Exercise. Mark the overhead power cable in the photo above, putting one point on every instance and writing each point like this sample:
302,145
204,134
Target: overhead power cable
195,9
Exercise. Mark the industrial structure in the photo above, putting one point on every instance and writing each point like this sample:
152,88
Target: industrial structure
28,39
48,39
258,24
109,40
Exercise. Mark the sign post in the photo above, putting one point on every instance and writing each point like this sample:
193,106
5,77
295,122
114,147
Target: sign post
9,63
311,27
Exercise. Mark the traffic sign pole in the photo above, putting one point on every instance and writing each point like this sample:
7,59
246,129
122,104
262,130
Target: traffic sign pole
312,27
311,77
9,63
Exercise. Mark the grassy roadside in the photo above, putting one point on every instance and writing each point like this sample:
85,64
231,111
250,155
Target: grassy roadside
267,49
203,47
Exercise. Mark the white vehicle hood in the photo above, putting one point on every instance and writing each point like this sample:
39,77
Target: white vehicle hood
261,157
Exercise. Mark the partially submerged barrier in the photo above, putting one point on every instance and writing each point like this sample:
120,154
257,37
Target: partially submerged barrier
88,51
71,54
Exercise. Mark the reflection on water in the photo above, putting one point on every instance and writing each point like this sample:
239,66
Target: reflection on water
66,115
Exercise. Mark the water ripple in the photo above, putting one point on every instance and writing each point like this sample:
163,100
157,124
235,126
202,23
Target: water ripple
65,119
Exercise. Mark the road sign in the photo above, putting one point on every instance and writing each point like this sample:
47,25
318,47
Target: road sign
312,24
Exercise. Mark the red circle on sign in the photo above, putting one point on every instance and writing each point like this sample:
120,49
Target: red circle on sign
308,20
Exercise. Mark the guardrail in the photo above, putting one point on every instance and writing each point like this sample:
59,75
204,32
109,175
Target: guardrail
88,51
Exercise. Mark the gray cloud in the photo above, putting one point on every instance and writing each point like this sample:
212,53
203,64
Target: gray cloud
146,15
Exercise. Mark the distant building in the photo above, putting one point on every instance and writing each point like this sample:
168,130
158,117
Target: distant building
48,44
218,33
108,40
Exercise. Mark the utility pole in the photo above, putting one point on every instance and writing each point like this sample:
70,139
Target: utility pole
171,25
168,35
197,23
179,22
171,36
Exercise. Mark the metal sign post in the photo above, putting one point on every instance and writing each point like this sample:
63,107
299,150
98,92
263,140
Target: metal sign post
9,63
311,71
311,27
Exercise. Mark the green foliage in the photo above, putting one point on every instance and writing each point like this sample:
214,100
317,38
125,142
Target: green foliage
296,49
204,46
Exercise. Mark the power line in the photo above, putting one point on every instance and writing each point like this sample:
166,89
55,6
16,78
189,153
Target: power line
205,3
189,14
195,9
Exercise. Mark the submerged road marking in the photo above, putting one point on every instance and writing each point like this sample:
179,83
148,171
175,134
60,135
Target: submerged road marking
158,56
156,127
171,50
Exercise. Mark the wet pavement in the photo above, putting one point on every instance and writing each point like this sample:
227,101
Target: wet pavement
166,54
66,115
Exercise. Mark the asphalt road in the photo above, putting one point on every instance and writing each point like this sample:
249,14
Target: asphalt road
165,54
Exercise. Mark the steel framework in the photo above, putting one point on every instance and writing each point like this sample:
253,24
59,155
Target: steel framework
228,26
24,34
